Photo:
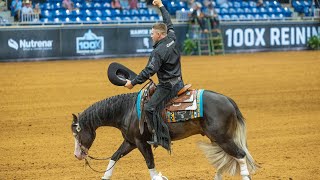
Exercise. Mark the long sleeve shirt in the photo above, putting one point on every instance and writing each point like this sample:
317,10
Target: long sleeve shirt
164,59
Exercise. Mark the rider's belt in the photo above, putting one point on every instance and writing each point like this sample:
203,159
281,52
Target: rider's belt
173,81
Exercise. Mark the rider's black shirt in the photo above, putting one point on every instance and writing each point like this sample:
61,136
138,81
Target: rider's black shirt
164,59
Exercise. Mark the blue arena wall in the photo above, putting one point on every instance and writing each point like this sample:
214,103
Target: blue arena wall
97,41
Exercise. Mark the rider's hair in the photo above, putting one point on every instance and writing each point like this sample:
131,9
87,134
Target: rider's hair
161,28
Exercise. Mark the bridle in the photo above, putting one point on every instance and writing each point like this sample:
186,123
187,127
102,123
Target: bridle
85,150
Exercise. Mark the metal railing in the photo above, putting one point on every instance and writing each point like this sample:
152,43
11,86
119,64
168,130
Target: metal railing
31,17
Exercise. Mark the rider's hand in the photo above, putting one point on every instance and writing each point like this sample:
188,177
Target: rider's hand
128,84
157,3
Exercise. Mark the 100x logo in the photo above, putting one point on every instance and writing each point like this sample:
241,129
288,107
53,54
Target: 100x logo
90,43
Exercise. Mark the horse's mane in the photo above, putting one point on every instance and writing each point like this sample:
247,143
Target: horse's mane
107,109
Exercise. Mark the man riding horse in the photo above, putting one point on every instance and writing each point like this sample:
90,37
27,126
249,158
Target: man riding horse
165,61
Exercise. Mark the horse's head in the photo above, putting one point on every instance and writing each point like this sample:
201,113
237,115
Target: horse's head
84,138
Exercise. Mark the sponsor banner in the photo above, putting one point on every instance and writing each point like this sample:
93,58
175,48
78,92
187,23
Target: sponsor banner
29,43
90,41
247,37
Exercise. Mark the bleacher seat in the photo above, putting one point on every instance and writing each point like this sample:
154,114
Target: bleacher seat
107,5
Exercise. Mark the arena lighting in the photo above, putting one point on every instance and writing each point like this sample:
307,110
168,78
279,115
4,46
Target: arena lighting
183,10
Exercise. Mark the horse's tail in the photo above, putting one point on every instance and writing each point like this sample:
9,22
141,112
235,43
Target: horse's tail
222,161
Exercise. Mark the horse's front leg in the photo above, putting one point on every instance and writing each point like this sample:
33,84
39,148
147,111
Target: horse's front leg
146,151
123,150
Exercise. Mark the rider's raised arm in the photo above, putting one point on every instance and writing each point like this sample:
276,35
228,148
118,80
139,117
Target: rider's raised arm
166,18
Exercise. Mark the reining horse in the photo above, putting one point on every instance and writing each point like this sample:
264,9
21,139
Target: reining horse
222,122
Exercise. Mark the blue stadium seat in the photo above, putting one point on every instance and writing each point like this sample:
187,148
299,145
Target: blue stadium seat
59,14
46,14
97,13
286,11
134,12
107,5
252,4
97,5
107,13
78,5
250,17
144,18
108,19
47,6
143,12
57,6
88,5
240,11
232,11
152,12
126,12
126,18
226,17
224,11
116,12
135,18
154,18
46,20
237,4
255,11
247,10
234,17
87,13
230,4
98,19
244,4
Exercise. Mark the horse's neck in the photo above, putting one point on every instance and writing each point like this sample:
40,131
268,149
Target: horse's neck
116,110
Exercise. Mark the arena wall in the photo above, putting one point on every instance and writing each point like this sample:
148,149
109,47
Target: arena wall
25,43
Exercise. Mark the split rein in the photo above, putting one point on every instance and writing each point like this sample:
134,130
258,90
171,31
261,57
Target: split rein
99,159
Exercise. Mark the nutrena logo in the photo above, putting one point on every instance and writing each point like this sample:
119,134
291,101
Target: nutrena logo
13,44
31,45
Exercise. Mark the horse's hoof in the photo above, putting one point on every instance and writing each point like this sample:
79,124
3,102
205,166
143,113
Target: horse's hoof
246,178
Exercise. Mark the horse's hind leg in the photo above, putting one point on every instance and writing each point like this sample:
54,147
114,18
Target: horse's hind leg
218,134
123,150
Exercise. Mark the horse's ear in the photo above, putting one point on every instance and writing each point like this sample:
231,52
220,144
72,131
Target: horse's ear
75,118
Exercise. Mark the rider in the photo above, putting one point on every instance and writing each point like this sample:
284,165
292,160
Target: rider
165,61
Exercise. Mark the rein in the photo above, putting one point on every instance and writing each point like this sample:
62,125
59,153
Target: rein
88,164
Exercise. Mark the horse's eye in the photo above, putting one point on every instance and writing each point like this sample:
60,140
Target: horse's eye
78,128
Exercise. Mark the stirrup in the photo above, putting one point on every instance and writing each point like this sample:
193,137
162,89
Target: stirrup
154,141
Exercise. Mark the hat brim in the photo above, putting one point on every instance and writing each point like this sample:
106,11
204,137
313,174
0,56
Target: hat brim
118,73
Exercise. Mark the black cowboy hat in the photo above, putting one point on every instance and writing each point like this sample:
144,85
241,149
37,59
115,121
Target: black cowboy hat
118,73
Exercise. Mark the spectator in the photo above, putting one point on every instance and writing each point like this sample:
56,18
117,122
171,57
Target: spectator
260,3
211,15
37,11
26,11
115,4
133,4
124,4
16,6
198,16
68,4
191,4
3,5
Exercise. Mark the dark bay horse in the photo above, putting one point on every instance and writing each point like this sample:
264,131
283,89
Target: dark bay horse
222,123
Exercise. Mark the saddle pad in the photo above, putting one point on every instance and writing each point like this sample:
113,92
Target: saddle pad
177,116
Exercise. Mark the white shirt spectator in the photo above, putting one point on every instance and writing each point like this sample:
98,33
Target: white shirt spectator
26,10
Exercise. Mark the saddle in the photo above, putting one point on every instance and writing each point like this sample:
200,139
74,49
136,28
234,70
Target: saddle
185,103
